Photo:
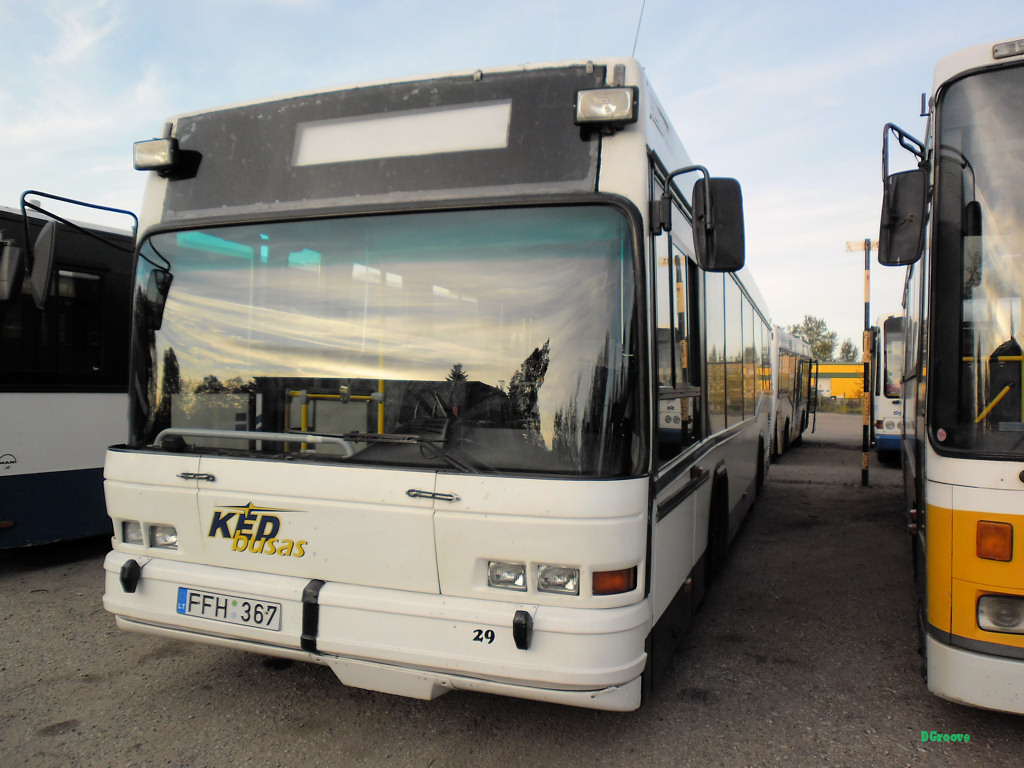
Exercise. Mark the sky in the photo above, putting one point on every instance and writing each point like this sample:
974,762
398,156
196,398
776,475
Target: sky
787,97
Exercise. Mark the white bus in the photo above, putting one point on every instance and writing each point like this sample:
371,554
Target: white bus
957,220
445,383
886,389
64,320
796,394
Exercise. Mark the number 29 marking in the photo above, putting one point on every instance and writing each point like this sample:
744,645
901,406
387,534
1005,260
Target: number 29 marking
483,636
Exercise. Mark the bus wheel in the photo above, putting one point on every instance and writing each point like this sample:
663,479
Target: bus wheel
762,466
718,529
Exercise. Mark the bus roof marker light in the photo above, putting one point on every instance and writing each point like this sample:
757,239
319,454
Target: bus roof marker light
156,155
1008,49
995,541
609,108
166,158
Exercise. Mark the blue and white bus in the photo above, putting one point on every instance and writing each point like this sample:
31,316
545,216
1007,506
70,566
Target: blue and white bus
63,374
887,391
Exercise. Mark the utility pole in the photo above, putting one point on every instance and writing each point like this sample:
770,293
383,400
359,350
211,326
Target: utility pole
865,407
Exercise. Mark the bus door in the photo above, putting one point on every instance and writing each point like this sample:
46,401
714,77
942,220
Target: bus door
812,392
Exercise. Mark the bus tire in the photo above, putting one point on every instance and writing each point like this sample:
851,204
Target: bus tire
762,466
718,528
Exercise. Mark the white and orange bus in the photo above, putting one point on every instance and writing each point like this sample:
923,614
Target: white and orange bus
957,220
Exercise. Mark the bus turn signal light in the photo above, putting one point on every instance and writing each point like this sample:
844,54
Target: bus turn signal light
995,541
615,582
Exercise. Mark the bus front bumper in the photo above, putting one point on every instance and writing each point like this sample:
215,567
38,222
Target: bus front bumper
976,679
405,643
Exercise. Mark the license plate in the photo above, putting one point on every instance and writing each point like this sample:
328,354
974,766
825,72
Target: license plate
233,609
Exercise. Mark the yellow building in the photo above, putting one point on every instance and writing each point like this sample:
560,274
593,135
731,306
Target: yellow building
840,380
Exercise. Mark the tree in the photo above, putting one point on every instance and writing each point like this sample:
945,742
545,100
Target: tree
848,352
815,332
457,373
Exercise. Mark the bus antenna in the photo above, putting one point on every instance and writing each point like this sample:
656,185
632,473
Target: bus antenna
638,23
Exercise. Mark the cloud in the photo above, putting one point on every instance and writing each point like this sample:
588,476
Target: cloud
81,27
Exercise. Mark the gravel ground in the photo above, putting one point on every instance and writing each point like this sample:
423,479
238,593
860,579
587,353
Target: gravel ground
804,654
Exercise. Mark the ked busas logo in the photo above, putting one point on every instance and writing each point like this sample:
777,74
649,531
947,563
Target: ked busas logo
254,529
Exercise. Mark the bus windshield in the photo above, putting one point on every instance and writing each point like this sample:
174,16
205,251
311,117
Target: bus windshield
979,267
474,340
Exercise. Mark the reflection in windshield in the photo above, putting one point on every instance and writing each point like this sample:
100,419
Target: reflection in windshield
980,250
505,334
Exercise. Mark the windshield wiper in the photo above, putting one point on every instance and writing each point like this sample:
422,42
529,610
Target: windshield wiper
434,444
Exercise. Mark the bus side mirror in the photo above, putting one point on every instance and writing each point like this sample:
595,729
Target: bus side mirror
42,263
718,225
11,269
901,230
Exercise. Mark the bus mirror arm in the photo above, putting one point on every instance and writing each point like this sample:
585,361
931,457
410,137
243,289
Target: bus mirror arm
661,209
904,203
40,255
661,214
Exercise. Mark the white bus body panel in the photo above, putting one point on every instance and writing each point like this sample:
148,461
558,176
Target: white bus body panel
36,433
391,623
981,475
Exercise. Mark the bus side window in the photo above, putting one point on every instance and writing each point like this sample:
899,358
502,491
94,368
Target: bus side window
679,412
686,329
714,318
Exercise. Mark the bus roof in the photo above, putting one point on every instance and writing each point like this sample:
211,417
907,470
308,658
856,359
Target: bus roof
513,125
999,53
631,65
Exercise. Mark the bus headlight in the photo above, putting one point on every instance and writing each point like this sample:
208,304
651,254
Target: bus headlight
131,532
507,575
163,536
1001,613
559,579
